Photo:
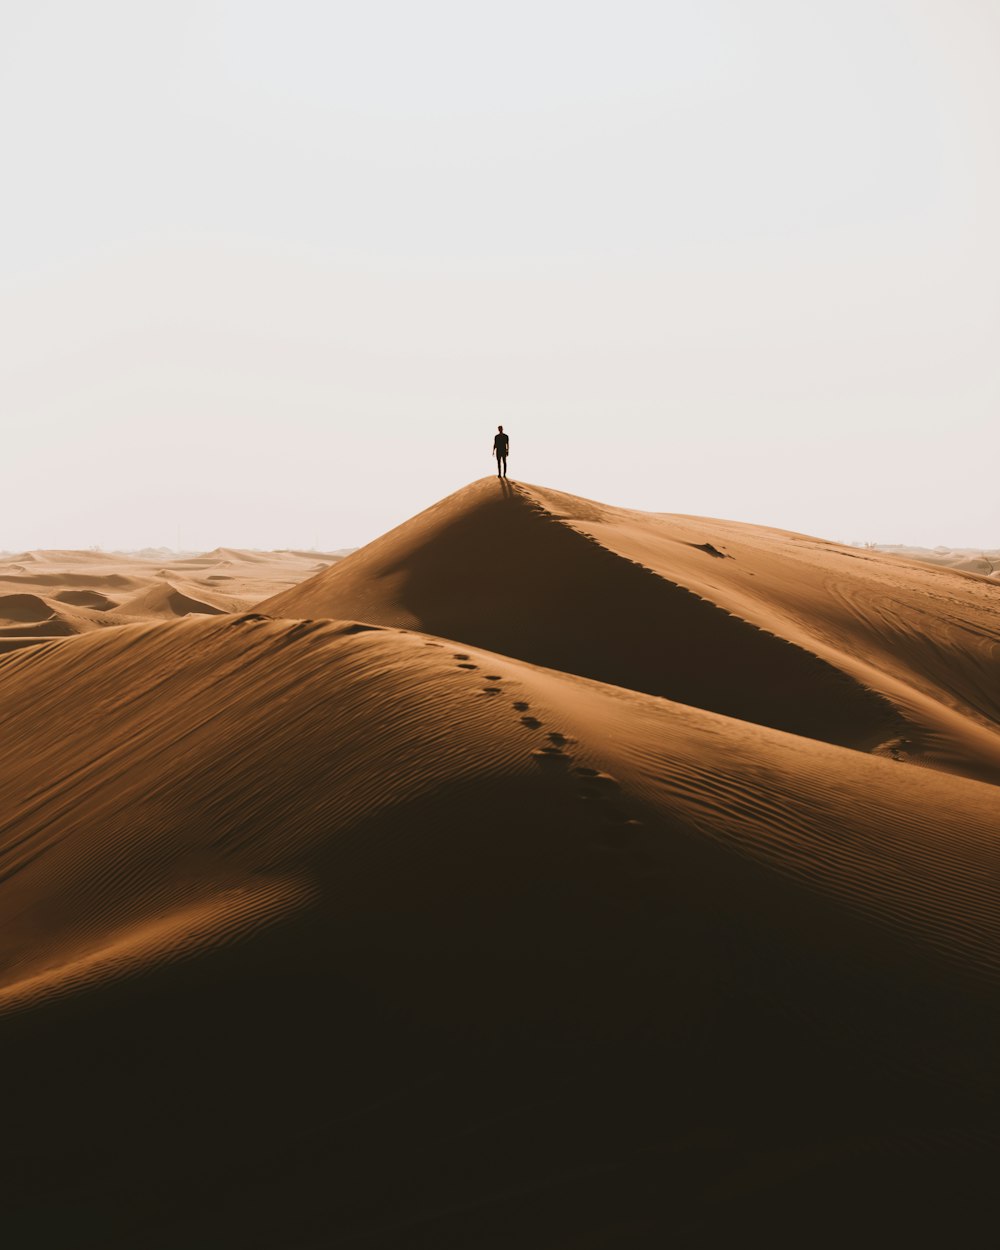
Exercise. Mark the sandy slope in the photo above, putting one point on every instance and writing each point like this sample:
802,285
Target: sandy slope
356,931
323,934
852,647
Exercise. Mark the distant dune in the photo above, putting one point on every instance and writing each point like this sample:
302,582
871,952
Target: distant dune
966,559
474,892
37,586
175,598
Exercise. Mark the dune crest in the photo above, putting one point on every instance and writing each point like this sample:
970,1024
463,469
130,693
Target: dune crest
343,927
172,598
767,626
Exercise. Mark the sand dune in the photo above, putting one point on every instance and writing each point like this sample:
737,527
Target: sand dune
173,599
37,587
765,625
24,608
968,559
329,932
25,618
59,557
19,574
86,599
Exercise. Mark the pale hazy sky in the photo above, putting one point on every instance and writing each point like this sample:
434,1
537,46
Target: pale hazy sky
272,271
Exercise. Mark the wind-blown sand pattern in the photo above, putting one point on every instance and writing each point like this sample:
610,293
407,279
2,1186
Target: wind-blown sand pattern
543,874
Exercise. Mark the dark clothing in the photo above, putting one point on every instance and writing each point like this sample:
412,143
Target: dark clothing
500,444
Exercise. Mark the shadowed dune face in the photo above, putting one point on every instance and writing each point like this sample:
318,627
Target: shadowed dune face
928,640
497,569
766,626
85,599
27,608
406,927
522,903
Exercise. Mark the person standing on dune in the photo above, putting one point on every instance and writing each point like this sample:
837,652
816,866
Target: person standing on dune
500,444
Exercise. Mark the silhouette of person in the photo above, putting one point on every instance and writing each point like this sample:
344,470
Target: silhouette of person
500,444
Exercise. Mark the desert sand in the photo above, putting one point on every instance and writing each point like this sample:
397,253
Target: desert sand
542,874
58,594
970,559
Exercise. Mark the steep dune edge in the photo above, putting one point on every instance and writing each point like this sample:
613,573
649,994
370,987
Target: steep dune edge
440,947
491,566
927,639
766,625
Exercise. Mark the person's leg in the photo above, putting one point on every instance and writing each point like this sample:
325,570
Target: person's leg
498,464
505,466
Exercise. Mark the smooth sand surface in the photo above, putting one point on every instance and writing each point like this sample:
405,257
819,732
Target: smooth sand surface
476,893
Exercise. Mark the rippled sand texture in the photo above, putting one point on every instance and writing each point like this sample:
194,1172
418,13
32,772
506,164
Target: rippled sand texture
543,874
